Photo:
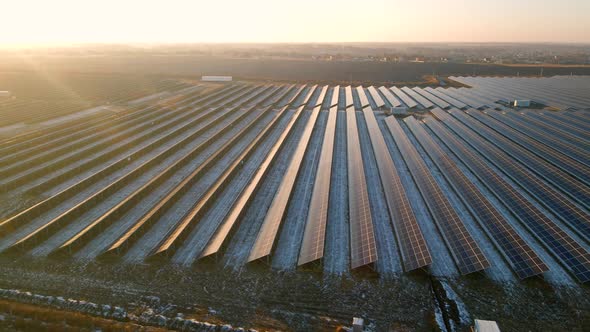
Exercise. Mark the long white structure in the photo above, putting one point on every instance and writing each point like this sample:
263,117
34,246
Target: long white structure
216,78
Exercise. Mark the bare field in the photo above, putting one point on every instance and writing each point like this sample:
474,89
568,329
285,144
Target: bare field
335,72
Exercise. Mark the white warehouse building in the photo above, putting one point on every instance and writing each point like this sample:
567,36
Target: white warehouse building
216,78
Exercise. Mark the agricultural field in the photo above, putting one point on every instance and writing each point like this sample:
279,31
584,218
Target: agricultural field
283,206
38,96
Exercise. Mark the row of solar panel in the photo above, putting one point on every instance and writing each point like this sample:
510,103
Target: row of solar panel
559,92
414,251
569,252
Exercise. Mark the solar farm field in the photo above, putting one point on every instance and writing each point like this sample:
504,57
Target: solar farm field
234,196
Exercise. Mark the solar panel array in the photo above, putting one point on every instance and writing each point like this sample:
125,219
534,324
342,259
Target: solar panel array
414,250
404,97
376,96
465,251
189,179
312,246
521,257
219,238
561,126
267,235
560,92
559,160
452,101
546,194
570,253
362,96
335,96
560,181
434,99
363,249
574,151
567,133
348,101
421,100
393,101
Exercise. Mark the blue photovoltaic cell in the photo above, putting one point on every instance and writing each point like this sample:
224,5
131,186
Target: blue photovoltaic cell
570,149
520,256
566,164
413,247
348,97
376,96
423,101
404,97
390,97
466,253
573,256
363,250
362,96
568,185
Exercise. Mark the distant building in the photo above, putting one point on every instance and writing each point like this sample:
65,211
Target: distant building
4,94
522,103
216,78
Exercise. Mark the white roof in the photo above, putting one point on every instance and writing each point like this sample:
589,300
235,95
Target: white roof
486,326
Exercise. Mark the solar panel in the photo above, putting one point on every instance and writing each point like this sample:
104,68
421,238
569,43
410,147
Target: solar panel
413,248
465,251
582,138
407,100
335,94
348,101
452,92
452,101
577,128
546,171
568,148
220,236
376,97
521,257
312,247
574,115
272,221
545,194
570,254
363,250
421,100
390,97
486,99
468,98
320,100
434,99
362,96
549,91
563,162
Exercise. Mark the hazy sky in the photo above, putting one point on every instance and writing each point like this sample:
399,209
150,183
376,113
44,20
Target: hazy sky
27,22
